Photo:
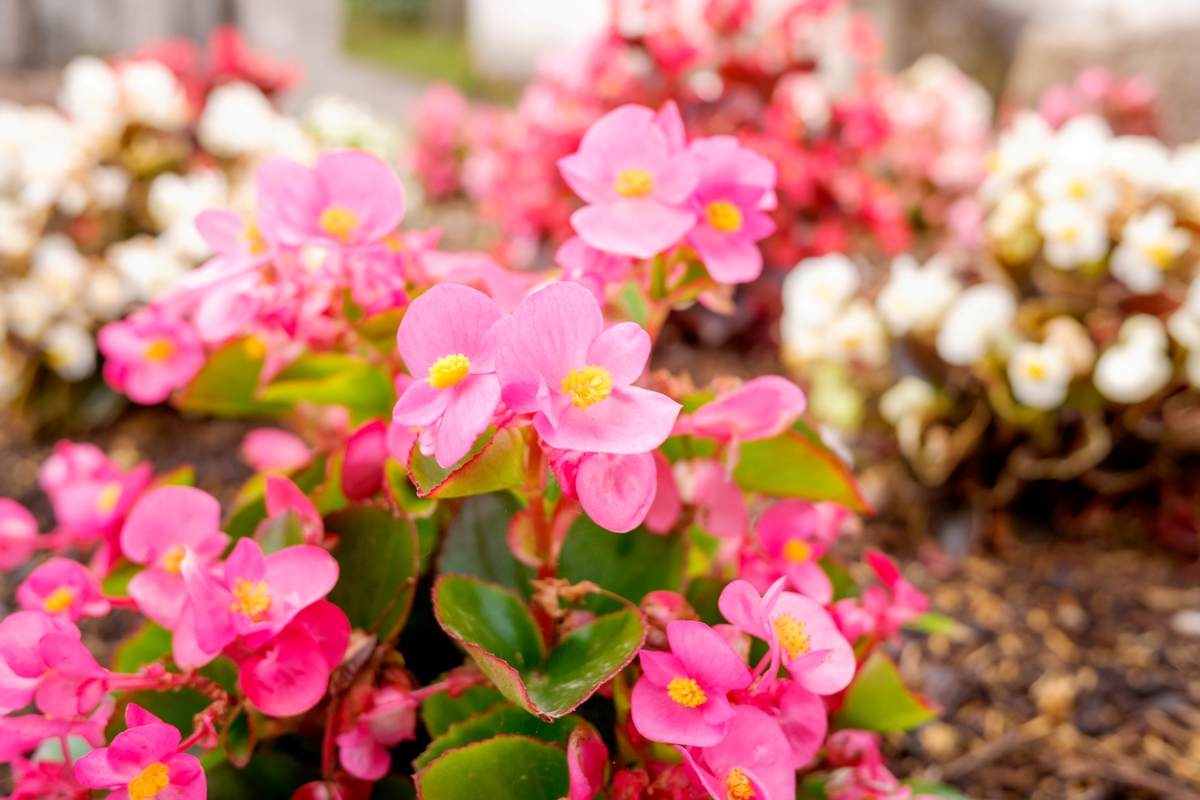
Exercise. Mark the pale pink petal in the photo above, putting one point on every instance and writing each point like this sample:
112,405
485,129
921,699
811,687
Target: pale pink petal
661,667
297,577
641,228
741,604
810,580
836,668
616,490
211,602
729,259
446,320
804,721
708,658
588,175
623,350
361,755
160,595
667,507
275,450
659,718
473,401
420,405
223,230
756,745
761,408
170,516
364,185
289,200
184,648
630,420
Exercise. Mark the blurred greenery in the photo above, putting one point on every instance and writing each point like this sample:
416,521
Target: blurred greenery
393,34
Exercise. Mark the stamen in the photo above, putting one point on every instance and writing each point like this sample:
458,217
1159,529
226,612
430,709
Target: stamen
172,559
448,370
686,692
152,781
738,786
108,497
161,350
588,385
792,637
724,216
252,599
797,551
339,223
59,600
634,183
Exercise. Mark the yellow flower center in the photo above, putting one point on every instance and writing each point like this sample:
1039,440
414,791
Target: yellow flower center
172,559
792,637
738,785
588,385
252,599
254,348
686,692
448,370
252,235
107,498
339,223
152,781
1035,371
634,183
1161,254
161,350
724,216
59,600
797,551
1078,189
1069,234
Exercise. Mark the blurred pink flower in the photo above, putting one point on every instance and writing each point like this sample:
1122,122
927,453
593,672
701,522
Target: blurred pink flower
149,355
63,587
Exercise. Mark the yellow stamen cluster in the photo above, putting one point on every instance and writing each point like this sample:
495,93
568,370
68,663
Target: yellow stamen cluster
253,235
59,600
738,786
108,497
448,370
172,559
686,692
1161,254
254,348
251,599
797,551
1035,370
338,222
160,350
152,781
588,385
634,183
792,637
724,216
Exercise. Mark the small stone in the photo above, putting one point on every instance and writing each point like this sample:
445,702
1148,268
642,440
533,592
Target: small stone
1186,622
939,740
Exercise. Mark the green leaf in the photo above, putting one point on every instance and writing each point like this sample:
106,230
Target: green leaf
402,491
377,560
227,386
268,776
879,701
936,789
504,768
117,582
176,707
335,379
239,737
929,622
441,710
628,564
150,644
497,630
704,594
843,583
394,787
505,718
180,476
477,543
497,461
282,530
796,464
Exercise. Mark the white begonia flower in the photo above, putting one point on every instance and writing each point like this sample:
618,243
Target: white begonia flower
237,121
59,268
1039,374
19,229
70,351
911,396
105,295
30,309
857,335
338,121
978,319
91,97
915,297
818,288
148,268
1184,327
152,95
1073,340
1074,234
289,139
1150,245
1143,161
50,158
1022,148
175,200
13,136
109,186
1136,366
1078,167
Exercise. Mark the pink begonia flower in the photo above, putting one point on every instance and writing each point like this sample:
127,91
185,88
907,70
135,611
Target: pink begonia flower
23,734
636,188
21,664
719,503
795,535
45,780
801,635
89,493
616,491
681,697
587,756
362,466
479,271
667,507
759,409
160,528
18,534
849,748
275,450
753,760
390,719
556,361
881,612
734,183
149,355
445,343
348,199
43,659
289,674
62,586
869,781
591,268
800,714
143,762
282,496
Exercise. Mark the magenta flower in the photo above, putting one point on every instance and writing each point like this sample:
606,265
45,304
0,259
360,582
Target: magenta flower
63,587
616,491
349,199
587,756
636,187
720,506
149,355
594,269
752,761
275,450
881,611
759,409
43,659
736,184
23,734
667,506
282,496
390,720
161,527
801,634
89,493
445,343
681,697
795,535
362,465
43,780
18,534
556,361
143,762
799,713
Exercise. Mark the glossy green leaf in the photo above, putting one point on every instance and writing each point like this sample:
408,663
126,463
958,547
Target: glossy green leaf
489,617
497,461
503,768
878,700
504,718
585,659
477,543
402,491
843,583
930,622
150,644
441,710
180,476
796,464
239,737
176,707
116,584
921,787
628,564
227,386
365,390
377,559
268,776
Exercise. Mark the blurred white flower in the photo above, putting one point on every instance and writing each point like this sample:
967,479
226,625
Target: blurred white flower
911,396
105,295
175,200
338,121
915,297
237,121
148,268
19,228
30,309
1150,245
1039,374
1019,150
818,288
1072,339
857,335
289,139
152,95
109,186
1075,234
1136,366
91,97
59,269
1143,161
70,351
977,320
1077,170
